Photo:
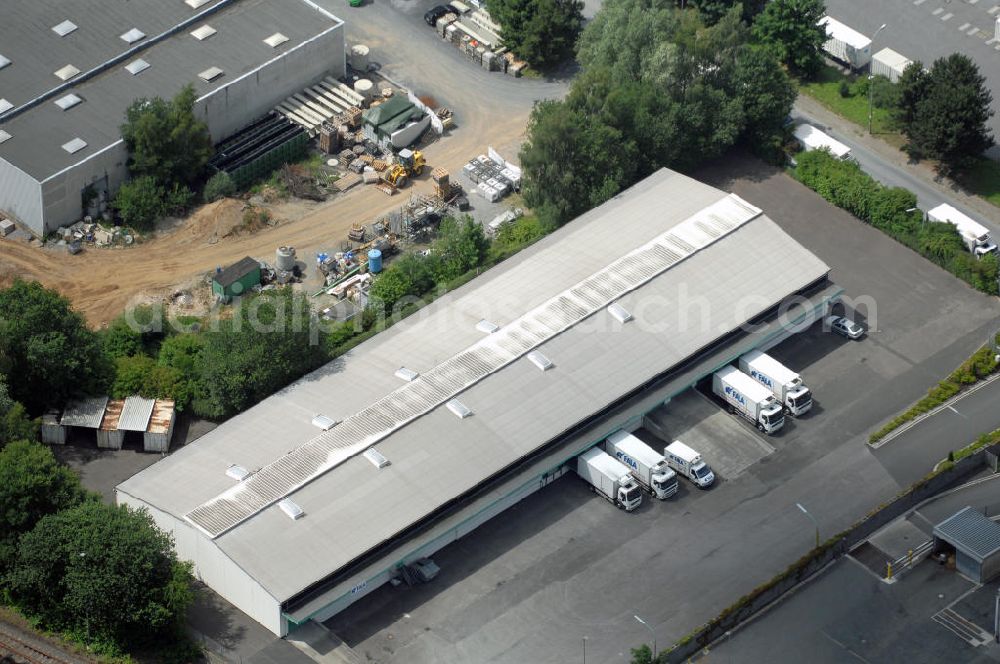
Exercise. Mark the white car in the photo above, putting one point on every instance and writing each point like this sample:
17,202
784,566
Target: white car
845,327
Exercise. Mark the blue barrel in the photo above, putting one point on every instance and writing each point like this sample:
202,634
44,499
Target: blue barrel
374,261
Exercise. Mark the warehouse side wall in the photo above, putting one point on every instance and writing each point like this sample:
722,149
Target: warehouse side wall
63,192
215,568
21,196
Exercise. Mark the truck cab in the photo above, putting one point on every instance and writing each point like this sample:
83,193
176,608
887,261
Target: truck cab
629,495
664,482
772,417
702,475
799,400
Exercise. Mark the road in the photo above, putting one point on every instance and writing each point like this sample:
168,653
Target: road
913,453
929,29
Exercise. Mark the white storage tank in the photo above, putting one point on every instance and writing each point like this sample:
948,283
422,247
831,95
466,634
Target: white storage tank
360,57
284,258
365,88
890,64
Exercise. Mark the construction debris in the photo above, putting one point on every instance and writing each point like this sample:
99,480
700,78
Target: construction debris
300,183
346,182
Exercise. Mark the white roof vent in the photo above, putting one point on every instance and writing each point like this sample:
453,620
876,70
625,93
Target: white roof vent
238,473
5,105
409,375
487,327
68,102
204,32
459,408
133,35
4,61
4,136
276,40
376,457
136,66
64,28
540,360
67,72
210,74
289,507
195,4
75,145
323,422
619,313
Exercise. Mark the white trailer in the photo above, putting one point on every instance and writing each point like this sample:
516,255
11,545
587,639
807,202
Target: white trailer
890,64
648,466
610,478
748,398
811,138
975,236
689,463
846,44
786,385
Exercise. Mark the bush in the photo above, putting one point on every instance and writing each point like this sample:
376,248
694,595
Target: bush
219,186
844,90
141,202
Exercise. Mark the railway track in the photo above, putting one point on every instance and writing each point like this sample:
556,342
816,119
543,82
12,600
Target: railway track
18,649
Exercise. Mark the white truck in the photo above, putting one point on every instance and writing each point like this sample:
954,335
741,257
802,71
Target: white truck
811,138
975,236
786,385
846,44
648,466
749,398
689,463
610,478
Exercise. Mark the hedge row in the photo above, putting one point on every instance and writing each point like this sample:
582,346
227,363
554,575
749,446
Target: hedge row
845,185
979,366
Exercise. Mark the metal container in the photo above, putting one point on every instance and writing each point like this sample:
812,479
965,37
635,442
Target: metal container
359,57
365,88
374,261
284,258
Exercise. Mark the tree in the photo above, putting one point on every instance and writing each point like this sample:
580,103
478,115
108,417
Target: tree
765,94
789,29
460,246
389,288
165,140
914,86
140,374
104,572
219,186
15,424
712,11
48,347
141,201
513,237
542,32
120,339
418,271
945,114
32,485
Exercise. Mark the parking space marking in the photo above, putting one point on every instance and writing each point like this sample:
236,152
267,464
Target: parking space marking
937,11
947,16
919,2
994,10
952,409
973,32
964,27
972,2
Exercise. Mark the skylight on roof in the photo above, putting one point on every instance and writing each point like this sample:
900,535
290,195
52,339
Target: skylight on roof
66,73
195,4
204,32
64,28
487,327
276,40
323,422
68,102
619,313
5,105
4,136
133,35
210,74
4,61
289,507
136,66
376,457
75,145
540,360
459,408
238,473
409,375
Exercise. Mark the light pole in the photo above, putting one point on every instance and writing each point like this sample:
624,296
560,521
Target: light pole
871,81
815,523
651,632
585,650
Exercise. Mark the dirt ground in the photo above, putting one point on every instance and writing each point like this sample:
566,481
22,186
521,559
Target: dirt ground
101,283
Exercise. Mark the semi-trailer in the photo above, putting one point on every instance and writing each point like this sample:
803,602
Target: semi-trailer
610,478
748,398
786,385
975,236
648,467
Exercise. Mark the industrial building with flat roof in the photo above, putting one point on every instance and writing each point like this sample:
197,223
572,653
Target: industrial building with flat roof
324,491
68,72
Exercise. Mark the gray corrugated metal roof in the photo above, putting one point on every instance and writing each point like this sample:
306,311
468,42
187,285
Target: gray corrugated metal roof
437,457
136,413
971,533
85,413
36,52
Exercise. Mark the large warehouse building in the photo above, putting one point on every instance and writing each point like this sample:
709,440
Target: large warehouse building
436,425
69,70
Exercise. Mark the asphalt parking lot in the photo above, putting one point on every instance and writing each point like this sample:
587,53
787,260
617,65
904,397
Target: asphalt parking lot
564,565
